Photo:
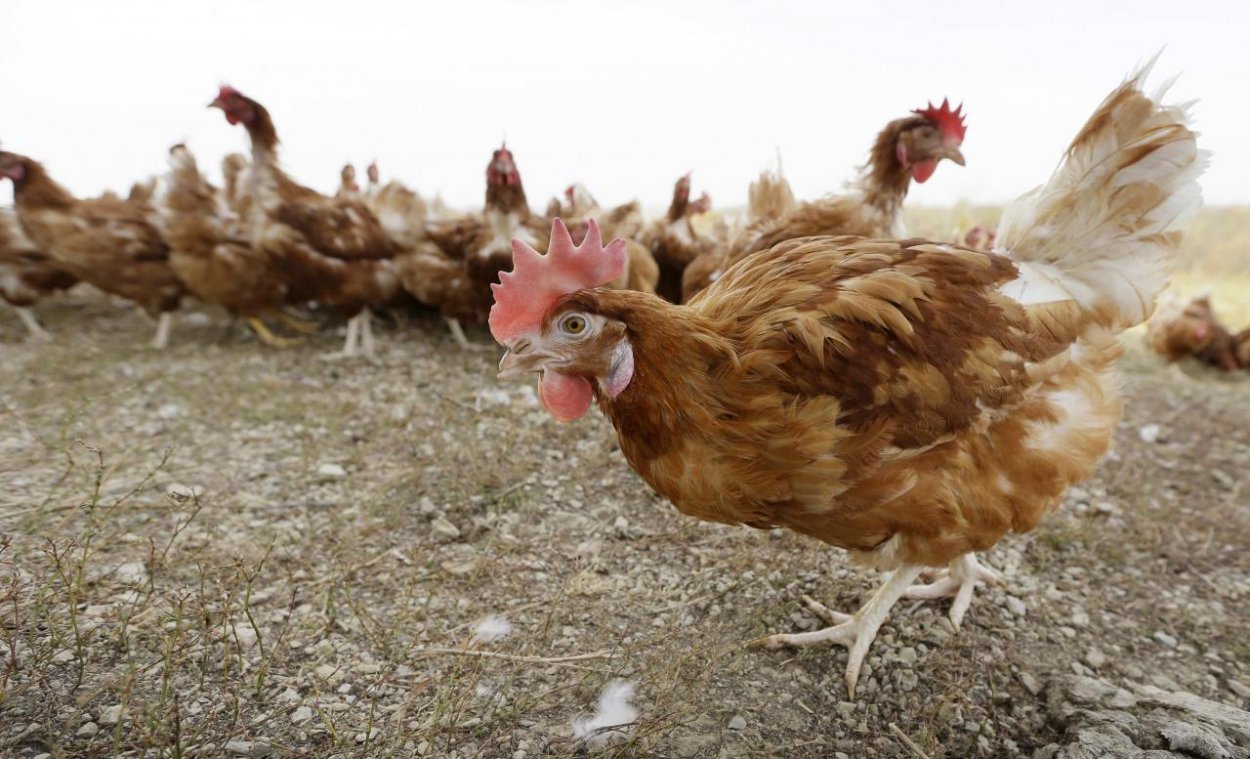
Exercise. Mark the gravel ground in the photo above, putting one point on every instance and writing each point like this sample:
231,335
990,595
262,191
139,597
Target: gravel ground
226,549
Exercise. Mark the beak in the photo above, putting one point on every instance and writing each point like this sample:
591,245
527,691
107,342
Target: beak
515,366
217,104
952,152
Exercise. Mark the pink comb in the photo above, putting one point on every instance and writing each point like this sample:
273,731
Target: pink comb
537,281
951,123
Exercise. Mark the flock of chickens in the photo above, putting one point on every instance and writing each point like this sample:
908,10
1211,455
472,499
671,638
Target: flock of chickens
263,242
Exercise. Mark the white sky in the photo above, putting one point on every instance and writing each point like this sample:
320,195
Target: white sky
623,96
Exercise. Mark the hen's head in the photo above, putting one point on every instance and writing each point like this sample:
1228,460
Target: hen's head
372,172
347,177
502,169
239,108
538,319
702,205
935,133
980,237
13,166
1191,330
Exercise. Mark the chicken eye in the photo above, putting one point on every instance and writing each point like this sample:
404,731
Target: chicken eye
573,324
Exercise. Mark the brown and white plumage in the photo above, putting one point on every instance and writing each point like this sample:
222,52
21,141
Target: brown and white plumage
911,402
906,149
27,274
115,245
331,250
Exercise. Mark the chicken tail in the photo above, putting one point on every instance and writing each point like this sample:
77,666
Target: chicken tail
1104,230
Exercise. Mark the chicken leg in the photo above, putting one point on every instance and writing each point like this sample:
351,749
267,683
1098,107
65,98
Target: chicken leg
37,332
856,631
457,334
958,581
299,325
161,340
266,336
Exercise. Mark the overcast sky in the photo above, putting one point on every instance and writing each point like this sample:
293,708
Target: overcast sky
623,96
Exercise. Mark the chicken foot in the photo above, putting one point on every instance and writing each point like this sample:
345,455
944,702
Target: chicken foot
457,334
856,631
957,581
359,339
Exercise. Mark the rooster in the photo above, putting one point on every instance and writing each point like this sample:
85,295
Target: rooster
115,245
674,241
908,401
213,263
27,274
331,250
906,149
1193,331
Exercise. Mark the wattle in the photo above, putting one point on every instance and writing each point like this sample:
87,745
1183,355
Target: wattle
566,397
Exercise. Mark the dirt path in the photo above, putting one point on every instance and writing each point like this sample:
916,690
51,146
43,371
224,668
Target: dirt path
227,548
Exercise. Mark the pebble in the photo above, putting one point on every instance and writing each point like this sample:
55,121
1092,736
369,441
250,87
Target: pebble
423,748
1030,683
738,723
444,530
1150,433
1016,606
373,733
88,730
331,472
110,715
301,715
242,748
1239,689
1166,640
845,709
907,656
1095,658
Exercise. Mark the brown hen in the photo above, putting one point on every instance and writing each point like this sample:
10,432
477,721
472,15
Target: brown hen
908,401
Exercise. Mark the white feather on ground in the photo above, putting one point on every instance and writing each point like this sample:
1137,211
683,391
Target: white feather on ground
491,629
615,709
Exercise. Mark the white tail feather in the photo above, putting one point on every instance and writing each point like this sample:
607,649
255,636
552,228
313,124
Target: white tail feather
1103,230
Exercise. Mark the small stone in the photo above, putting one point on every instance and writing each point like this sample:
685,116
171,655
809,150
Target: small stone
88,730
1030,683
169,411
110,715
180,491
1016,606
518,754
241,748
1150,433
1095,658
1166,640
373,733
331,472
620,526
444,530
738,723
423,748
326,671
845,709
301,715
907,656
1238,688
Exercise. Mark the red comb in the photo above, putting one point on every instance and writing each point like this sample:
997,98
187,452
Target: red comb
950,122
537,281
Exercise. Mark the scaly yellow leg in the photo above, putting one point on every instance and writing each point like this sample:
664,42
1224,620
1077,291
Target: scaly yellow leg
299,325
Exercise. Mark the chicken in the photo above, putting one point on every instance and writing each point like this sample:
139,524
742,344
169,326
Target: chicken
213,262
331,250
906,149
1193,331
910,402
113,244
402,212
768,199
455,271
27,274
675,242
980,238
349,189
